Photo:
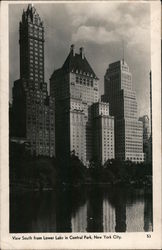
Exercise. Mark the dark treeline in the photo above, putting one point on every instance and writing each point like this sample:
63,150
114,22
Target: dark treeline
40,172
121,171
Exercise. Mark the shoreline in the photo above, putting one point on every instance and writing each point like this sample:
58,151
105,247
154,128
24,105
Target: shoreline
15,187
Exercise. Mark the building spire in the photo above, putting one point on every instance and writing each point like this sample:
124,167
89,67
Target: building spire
123,50
72,49
82,52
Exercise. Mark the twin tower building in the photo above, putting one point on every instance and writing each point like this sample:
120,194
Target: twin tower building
73,119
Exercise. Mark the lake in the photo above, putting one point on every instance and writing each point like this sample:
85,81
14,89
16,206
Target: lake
82,209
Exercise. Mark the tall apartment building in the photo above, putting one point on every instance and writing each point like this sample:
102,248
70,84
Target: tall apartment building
146,128
33,109
146,135
103,132
150,149
123,106
75,88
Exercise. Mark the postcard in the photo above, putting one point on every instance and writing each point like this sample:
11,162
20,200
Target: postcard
80,112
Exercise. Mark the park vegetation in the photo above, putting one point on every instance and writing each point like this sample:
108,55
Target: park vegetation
43,172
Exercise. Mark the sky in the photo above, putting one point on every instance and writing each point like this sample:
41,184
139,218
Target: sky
101,28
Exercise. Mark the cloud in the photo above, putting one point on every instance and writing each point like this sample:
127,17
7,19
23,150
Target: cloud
108,22
85,12
134,36
97,35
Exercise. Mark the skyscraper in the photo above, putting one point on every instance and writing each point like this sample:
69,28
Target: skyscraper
75,88
33,109
146,128
123,106
150,149
103,125
146,135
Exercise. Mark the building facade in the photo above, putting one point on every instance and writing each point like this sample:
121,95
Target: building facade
103,132
146,135
33,109
146,128
75,87
123,106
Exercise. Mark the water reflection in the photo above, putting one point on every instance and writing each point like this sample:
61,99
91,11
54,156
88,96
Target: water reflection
79,219
109,219
148,214
85,209
120,211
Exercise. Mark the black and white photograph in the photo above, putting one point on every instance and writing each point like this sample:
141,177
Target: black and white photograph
80,120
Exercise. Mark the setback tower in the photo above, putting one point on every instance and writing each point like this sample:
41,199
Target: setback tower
33,109
75,88
123,106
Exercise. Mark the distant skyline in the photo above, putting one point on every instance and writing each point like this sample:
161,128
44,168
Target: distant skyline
101,29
